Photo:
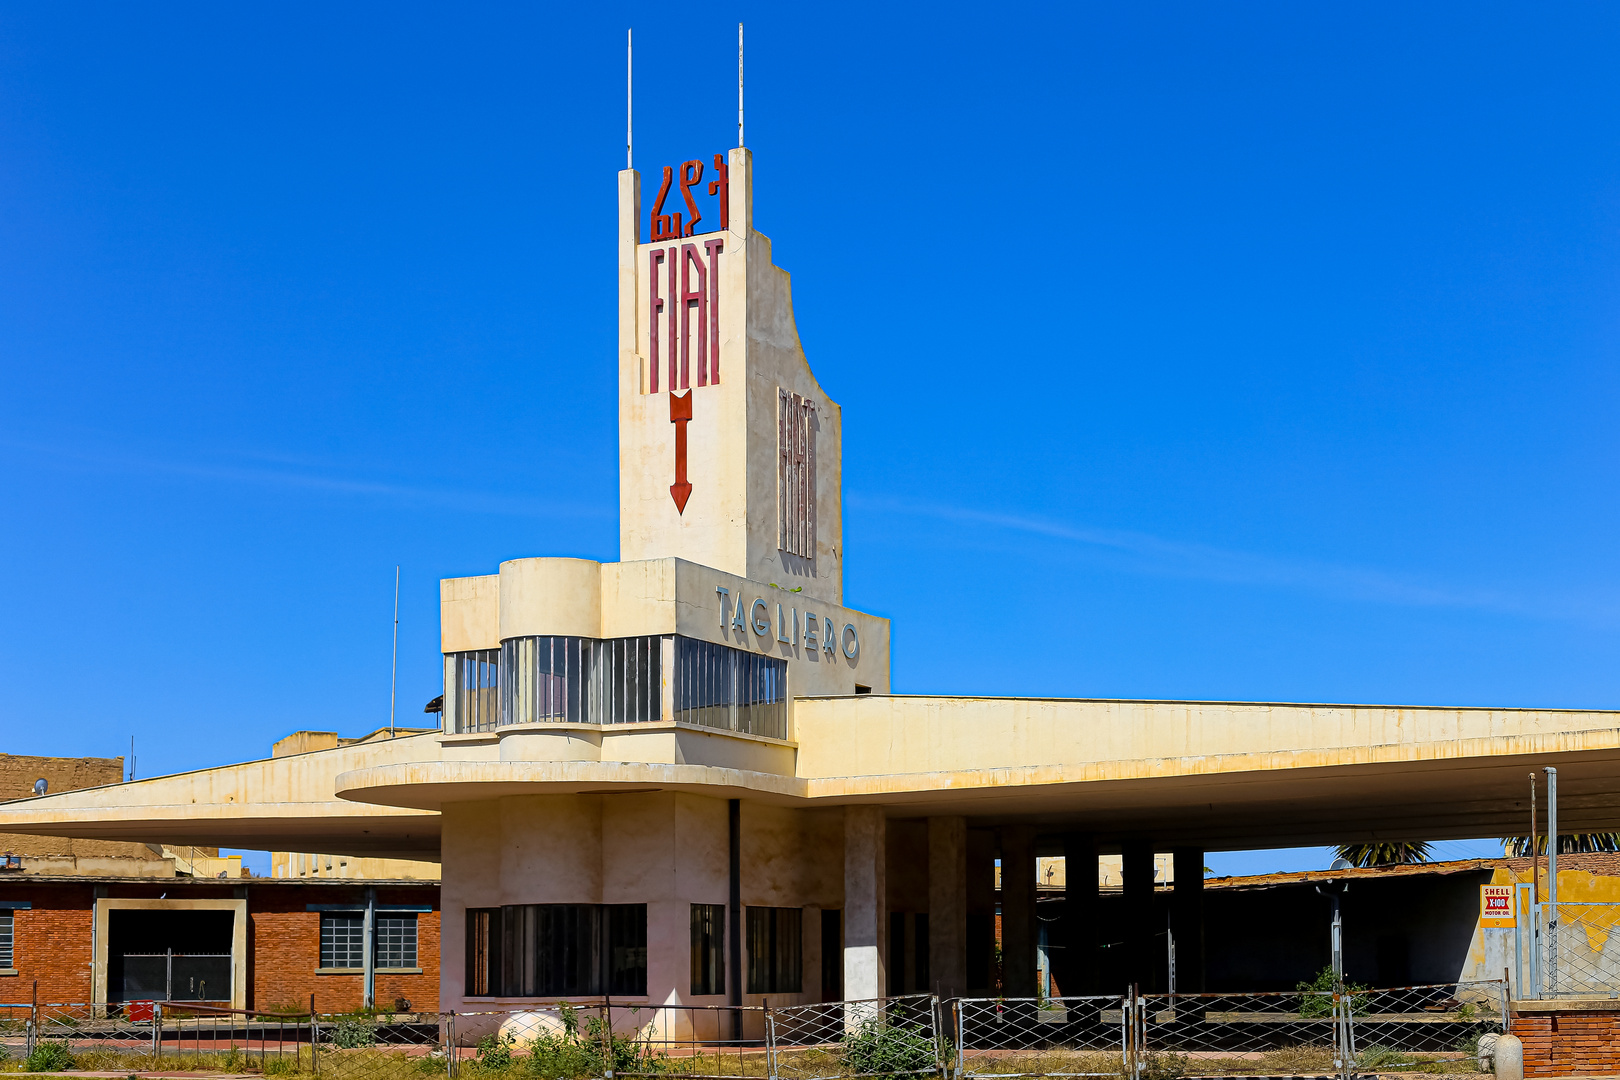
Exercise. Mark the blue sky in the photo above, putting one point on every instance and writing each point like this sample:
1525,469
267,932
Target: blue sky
1252,351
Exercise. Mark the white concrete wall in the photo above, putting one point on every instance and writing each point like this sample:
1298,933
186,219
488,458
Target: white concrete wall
661,849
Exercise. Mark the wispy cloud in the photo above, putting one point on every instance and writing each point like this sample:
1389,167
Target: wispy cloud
289,472
1148,554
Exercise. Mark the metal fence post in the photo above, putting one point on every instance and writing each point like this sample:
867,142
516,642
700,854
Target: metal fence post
450,1044
770,1041
1138,1032
956,1021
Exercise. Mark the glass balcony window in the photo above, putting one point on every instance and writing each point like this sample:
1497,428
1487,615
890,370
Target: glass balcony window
558,679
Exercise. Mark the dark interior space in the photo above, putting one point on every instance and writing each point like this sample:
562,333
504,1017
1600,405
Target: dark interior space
1406,930
169,955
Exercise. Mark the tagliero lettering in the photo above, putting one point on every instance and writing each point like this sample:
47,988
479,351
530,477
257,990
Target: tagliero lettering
812,632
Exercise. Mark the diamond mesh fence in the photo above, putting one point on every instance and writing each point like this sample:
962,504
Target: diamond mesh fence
1291,1033
1409,1026
1580,949
1069,1036
16,1029
896,1036
566,1040
1435,1028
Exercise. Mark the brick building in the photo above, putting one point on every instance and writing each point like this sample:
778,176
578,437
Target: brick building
251,943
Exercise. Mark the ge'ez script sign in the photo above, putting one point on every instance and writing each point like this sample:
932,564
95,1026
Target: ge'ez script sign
1496,906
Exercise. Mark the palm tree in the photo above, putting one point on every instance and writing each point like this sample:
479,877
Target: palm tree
1568,843
1389,853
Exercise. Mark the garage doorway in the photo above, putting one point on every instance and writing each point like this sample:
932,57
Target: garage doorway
169,955
171,949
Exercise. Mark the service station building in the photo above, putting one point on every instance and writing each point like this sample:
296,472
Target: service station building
681,778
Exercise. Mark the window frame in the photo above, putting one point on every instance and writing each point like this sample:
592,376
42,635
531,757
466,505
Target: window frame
573,950
482,975
354,947
406,915
708,950
775,948
404,920
8,939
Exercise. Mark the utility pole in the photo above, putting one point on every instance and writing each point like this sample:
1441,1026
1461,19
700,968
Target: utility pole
1552,878
393,676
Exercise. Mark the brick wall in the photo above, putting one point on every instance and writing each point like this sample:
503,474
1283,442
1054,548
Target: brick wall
1569,1043
52,943
284,940
285,944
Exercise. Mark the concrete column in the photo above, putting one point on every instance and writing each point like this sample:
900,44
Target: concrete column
1018,911
947,906
981,908
1136,869
1187,919
866,902
368,937
1075,962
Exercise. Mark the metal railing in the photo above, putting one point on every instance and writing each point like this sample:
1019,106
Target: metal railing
1343,1033
700,1042
1059,1036
898,1036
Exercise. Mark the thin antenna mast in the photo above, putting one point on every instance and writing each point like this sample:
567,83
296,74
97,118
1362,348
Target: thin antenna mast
739,87
132,757
393,677
629,101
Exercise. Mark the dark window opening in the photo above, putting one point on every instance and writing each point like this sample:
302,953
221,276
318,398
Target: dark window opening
775,950
832,955
708,949
571,950
169,955
859,689
483,973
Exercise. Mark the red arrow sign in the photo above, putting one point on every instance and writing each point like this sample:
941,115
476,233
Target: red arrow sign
680,411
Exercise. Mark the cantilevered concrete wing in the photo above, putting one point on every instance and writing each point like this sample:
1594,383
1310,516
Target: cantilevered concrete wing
282,803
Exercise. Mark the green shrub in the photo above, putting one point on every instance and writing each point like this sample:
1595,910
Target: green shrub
1317,1000
884,1049
49,1056
589,1050
354,1031
495,1051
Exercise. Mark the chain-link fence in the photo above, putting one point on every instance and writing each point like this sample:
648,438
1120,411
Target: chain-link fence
16,1029
898,1036
1070,1036
1134,1037
566,1040
1292,1033
1442,1022
1579,949
381,1046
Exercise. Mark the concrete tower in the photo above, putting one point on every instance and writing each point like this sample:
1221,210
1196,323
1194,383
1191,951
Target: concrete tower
729,450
